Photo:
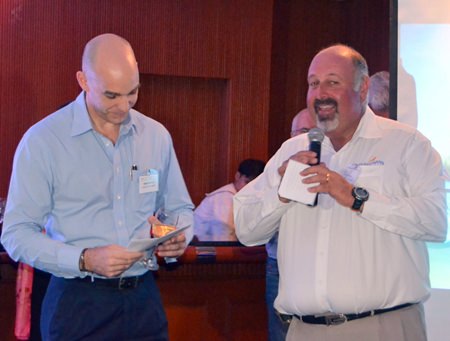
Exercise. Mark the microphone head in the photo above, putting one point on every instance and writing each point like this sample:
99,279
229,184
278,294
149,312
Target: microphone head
315,134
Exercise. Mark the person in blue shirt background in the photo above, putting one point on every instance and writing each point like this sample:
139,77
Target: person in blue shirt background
91,175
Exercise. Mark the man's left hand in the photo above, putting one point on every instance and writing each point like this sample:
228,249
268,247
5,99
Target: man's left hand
329,182
173,247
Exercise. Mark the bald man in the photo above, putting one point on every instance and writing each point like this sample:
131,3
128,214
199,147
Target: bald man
302,123
91,175
354,267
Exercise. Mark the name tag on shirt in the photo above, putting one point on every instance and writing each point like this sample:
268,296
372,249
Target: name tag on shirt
149,182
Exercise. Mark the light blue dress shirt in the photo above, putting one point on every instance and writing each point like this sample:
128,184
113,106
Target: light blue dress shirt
82,189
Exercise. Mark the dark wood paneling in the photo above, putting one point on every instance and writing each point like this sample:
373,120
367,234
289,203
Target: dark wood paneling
221,300
219,309
195,111
234,40
225,76
301,29
42,42
7,298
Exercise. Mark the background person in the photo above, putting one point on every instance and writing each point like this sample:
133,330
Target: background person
379,93
301,123
356,268
99,170
213,218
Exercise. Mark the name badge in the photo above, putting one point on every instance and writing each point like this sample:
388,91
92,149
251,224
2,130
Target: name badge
149,182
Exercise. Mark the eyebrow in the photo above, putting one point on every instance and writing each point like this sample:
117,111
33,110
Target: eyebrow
327,75
112,93
303,129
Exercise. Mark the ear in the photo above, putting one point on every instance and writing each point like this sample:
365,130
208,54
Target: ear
237,176
364,90
82,81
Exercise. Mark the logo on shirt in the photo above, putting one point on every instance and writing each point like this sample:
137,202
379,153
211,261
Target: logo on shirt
352,171
372,162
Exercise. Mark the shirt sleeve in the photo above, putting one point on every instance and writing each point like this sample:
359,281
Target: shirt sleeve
28,207
175,196
257,208
420,212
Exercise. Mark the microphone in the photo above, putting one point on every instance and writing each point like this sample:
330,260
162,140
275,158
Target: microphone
315,136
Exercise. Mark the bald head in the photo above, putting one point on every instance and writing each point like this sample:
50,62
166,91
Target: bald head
109,65
358,62
110,80
108,53
302,123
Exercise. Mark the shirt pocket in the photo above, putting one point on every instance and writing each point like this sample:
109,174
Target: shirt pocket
143,201
371,177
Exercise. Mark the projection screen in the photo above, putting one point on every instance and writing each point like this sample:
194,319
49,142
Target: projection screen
423,88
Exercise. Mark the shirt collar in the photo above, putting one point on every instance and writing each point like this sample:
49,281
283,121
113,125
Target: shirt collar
82,122
368,126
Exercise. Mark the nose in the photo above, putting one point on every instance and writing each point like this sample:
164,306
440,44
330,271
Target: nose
125,103
322,91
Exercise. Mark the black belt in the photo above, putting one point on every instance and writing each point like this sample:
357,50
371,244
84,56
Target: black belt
336,319
115,283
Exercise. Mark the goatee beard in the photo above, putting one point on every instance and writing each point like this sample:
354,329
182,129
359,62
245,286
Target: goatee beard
328,125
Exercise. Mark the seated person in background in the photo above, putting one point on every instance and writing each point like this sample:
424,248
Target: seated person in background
213,218
379,93
302,123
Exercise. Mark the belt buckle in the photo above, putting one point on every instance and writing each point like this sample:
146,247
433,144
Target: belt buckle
128,283
284,318
334,320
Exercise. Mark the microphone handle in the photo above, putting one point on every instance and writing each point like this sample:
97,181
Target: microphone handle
315,146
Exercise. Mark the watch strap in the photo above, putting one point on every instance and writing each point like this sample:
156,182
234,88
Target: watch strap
82,261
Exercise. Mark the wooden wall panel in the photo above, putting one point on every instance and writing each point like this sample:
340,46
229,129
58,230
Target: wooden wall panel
261,48
301,29
193,109
42,42
225,76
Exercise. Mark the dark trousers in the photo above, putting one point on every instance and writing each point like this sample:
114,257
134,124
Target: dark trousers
76,310
40,283
277,329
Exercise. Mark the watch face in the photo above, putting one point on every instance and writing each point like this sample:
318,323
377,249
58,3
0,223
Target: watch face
361,193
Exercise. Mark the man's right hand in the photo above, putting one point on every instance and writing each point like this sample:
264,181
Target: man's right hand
110,260
305,156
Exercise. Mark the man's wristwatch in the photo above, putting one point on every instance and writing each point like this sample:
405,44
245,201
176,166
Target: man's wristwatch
361,196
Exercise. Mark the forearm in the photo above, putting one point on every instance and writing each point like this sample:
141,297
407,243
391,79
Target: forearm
416,206
423,218
257,213
26,243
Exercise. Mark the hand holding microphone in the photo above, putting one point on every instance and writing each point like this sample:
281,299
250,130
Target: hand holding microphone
292,186
315,136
